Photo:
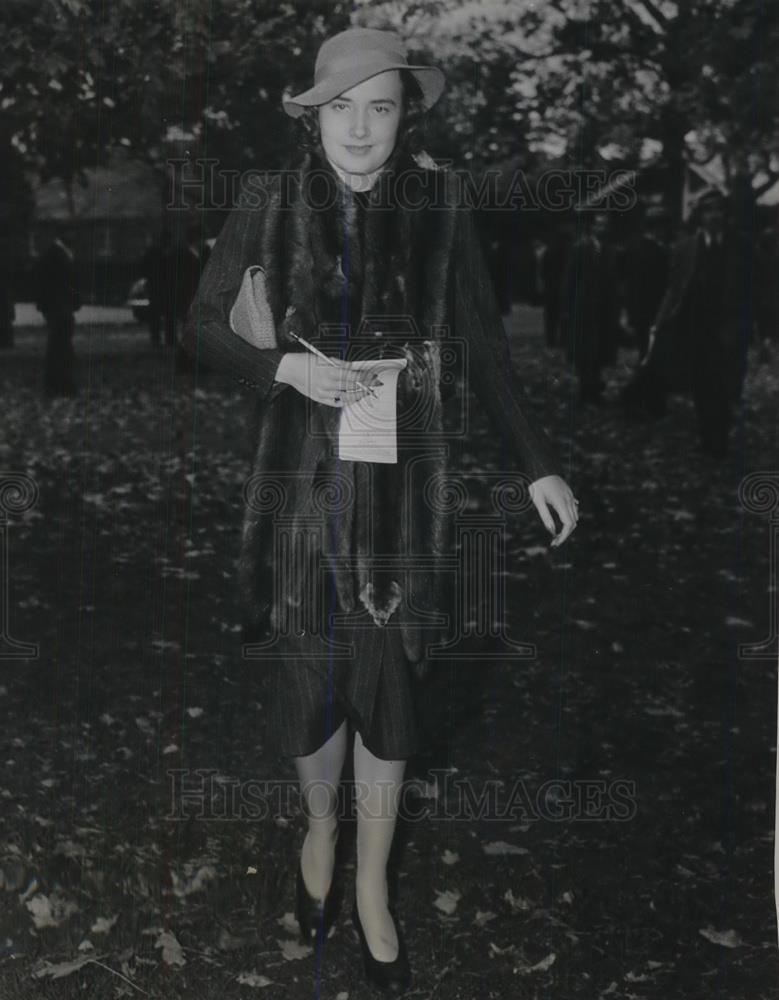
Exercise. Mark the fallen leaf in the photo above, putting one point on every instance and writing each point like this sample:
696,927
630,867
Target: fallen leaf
498,847
103,924
516,902
447,901
544,964
252,979
496,950
289,923
195,883
293,950
57,970
50,911
171,949
728,939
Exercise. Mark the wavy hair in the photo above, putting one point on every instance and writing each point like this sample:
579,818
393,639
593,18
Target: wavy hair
410,137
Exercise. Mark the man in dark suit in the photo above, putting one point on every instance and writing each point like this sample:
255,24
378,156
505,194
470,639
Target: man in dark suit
158,267
551,272
646,262
58,299
590,306
7,309
699,340
767,290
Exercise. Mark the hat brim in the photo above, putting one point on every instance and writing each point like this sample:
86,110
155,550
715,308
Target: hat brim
431,82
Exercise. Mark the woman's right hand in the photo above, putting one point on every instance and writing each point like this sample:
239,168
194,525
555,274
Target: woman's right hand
333,385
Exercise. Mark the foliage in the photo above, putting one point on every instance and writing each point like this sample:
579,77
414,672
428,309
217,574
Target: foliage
79,76
525,81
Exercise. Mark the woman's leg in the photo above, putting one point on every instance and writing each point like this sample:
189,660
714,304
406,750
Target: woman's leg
378,783
319,774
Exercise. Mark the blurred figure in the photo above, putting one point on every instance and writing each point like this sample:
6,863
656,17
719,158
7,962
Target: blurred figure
7,311
551,272
647,256
590,306
767,290
58,298
157,267
701,334
160,268
190,263
172,273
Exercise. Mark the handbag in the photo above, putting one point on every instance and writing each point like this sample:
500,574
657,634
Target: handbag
251,316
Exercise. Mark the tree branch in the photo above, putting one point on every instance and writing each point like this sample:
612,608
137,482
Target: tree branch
772,179
654,11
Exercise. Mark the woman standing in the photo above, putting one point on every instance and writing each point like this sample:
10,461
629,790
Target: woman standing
367,252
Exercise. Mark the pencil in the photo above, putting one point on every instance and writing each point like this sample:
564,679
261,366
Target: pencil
324,357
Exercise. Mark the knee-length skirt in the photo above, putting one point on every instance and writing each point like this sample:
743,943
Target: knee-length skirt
361,674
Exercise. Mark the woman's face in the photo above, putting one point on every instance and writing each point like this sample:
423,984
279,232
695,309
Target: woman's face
358,128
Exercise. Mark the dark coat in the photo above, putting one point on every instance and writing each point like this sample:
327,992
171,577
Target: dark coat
703,325
402,271
646,278
56,286
590,306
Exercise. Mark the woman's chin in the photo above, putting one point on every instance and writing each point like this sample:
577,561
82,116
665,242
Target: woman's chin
361,163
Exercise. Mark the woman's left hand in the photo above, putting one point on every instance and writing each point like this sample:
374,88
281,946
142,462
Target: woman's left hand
554,492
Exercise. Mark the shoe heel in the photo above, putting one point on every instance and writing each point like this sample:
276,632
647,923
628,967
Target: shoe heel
315,917
393,977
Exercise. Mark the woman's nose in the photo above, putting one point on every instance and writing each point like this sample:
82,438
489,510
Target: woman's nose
359,124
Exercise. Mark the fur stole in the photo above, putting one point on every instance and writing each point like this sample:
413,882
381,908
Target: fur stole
363,276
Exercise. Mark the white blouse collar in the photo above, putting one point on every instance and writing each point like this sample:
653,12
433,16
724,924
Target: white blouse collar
357,182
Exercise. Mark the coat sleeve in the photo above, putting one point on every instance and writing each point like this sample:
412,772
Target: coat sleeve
489,369
207,333
680,271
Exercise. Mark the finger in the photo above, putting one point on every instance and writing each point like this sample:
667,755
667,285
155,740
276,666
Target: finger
546,517
568,526
349,385
567,507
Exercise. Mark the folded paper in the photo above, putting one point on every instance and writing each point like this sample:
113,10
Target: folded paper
367,430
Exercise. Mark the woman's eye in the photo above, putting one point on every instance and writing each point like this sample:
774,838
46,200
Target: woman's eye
338,105
382,108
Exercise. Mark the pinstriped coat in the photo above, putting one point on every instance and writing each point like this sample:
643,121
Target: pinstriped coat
398,271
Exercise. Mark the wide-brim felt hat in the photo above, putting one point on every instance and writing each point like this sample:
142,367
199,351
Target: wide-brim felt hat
355,55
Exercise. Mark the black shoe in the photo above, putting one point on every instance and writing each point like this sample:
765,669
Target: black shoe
314,917
389,977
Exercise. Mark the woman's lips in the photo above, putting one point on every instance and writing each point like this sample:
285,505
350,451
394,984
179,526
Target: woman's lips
358,150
